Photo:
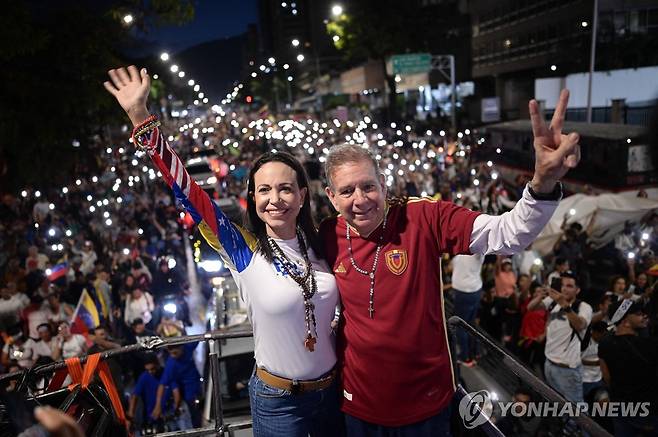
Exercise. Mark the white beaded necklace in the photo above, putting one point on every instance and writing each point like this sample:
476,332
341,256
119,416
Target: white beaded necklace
371,273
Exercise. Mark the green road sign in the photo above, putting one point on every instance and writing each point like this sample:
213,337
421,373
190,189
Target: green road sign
412,63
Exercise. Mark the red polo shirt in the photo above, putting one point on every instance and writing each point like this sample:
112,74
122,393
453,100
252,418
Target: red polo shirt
396,368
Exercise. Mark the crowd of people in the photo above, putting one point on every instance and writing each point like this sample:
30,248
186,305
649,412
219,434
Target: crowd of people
116,232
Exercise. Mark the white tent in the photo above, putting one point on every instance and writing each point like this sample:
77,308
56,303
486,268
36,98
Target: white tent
612,211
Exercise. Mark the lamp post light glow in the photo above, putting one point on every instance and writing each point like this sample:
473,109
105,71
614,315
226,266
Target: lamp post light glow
295,42
336,38
300,57
128,18
271,60
164,56
174,68
336,10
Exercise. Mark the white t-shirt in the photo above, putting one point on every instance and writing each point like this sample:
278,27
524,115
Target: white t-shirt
35,349
591,373
139,308
74,346
466,273
561,346
275,307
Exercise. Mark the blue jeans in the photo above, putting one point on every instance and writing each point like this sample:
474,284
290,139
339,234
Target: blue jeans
279,413
435,426
466,307
566,381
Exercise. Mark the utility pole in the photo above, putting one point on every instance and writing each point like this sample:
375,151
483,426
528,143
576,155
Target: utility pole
592,59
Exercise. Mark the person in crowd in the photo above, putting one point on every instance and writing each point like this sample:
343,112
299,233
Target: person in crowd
56,311
525,425
278,247
13,350
35,260
532,335
618,289
505,280
146,391
181,376
561,266
139,305
467,293
628,365
68,344
11,306
394,357
592,378
567,323
44,347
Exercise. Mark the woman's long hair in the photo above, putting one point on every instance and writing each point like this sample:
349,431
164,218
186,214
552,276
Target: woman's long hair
305,219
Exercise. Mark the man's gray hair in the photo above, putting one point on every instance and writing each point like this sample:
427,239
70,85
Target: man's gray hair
341,154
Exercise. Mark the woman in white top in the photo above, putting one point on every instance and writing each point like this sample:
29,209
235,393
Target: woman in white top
139,305
277,263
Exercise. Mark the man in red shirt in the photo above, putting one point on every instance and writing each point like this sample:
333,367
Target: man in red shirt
393,348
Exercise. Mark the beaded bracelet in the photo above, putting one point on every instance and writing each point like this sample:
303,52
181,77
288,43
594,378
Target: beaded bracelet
147,125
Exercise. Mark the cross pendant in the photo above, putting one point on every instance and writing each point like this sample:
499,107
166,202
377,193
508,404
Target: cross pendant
309,343
371,312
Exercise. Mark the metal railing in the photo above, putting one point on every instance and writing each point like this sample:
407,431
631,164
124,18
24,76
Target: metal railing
219,428
154,343
530,379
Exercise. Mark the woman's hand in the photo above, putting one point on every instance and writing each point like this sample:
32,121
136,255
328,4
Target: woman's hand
131,89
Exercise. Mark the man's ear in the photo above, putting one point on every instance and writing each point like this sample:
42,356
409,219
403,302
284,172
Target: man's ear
382,182
332,196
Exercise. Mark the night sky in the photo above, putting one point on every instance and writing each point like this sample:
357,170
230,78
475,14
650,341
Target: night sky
213,19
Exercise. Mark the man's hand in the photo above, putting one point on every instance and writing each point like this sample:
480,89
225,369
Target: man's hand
58,423
131,89
558,297
157,412
555,153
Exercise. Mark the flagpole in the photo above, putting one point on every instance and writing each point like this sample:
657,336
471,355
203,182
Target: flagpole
77,307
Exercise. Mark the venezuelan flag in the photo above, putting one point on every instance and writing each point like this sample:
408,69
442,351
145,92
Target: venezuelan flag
58,271
86,315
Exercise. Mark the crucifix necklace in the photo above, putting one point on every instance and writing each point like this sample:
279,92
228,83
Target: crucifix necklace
371,273
306,281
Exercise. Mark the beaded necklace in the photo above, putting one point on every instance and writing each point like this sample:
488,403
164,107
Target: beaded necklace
306,281
371,273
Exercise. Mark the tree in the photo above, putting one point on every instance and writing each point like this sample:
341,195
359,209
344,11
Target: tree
55,58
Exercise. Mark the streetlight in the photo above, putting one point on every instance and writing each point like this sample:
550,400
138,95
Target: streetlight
300,57
174,68
553,67
336,10
181,74
164,56
271,61
128,19
336,38
286,66
295,42
190,82
289,78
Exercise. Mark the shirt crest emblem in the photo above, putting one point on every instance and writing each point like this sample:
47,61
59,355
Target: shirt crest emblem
396,261
340,269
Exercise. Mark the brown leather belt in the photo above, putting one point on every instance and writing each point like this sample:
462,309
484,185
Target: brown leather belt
294,386
564,366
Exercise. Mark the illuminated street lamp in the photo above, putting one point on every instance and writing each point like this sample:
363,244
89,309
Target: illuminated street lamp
190,82
128,19
295,42
336,38
271,61
174,68
300,57
164,56
336,10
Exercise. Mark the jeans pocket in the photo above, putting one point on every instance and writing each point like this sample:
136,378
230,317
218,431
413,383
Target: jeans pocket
263,390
